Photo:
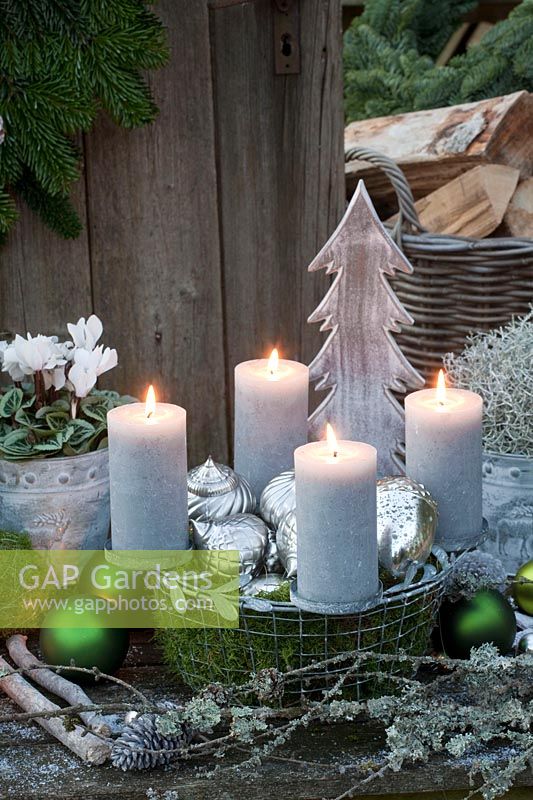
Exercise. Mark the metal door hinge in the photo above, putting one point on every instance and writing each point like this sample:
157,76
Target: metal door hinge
287,37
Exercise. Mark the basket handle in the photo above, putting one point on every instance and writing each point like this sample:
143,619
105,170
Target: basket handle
406,203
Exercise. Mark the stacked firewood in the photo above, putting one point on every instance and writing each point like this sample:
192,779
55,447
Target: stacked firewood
470,167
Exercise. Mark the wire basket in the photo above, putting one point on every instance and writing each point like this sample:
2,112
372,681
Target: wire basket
458,284
278,634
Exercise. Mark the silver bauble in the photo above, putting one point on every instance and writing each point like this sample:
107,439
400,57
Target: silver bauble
407,521
278,498
286,539
264,583
243,532
217,491
272,559
525,643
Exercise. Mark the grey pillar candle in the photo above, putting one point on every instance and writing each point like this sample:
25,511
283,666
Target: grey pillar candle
336,520
148,477
443,441
271,409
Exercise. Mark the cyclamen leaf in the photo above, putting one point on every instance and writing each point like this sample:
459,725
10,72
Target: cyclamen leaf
23,418
43,411
11,401
16,446
61,405
82,430
57,420
96,412
53,444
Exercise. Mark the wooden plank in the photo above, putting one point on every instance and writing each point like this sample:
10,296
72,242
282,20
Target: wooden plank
155,243
45,281
332,757
432,147
280,173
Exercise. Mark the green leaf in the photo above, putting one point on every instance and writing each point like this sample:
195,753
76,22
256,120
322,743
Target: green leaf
10,402
16,446
98,413
82,431
57,420
26,420
51,445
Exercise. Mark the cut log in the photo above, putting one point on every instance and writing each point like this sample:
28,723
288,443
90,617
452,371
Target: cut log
481,30
518,219
450,48
433,147
472,204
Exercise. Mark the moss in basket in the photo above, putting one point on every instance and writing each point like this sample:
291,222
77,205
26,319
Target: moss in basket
197,657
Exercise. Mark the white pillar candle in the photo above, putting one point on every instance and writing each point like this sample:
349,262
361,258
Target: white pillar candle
443,452
336,521
271,409
148,476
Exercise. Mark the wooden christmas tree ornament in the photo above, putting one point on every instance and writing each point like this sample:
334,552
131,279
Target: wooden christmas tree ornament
360,363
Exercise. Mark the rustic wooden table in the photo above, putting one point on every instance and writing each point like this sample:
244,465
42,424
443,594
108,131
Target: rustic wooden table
322,762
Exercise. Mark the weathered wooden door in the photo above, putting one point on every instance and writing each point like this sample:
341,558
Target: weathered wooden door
199,227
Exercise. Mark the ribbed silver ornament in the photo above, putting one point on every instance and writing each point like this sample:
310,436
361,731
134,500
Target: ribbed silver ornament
278,498
286,540
243,532
215,491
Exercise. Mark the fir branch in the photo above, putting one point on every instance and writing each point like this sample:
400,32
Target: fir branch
60,61
396,41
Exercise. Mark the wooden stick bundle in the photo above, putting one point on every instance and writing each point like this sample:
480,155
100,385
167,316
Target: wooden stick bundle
57,684
87,746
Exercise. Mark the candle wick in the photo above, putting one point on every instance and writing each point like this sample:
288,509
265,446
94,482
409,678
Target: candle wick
149,414
335,453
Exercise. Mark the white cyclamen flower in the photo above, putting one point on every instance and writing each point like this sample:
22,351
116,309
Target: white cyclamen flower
86,334
88,366
54,377
81,380
24,357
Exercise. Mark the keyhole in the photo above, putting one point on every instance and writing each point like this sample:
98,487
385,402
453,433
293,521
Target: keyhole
286,46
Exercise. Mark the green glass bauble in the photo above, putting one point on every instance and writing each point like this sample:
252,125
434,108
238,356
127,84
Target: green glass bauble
485,618
523,592
105,648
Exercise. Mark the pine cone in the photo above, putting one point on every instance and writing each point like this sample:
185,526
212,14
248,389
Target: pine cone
141,735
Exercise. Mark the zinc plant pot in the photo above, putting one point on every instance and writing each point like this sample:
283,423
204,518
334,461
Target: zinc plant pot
62,503
508,508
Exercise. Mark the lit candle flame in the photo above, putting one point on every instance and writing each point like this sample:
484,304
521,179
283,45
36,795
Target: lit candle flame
332,440
150,402
273,362
441,388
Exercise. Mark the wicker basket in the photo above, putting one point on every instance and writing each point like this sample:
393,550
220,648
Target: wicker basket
458,284
277,634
